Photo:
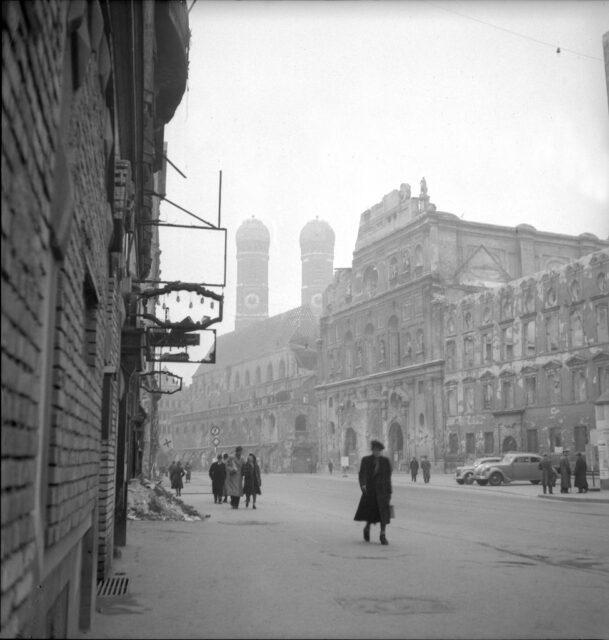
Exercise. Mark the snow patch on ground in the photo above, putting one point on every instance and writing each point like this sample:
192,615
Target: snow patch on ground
148,500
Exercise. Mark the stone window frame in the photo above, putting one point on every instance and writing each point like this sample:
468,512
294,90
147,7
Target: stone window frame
576,312
553,315
452,361
600,363
489,437
530,374
505,343
452,393
507,378
488,381
453,443
469,352
526,322
578,368
470,443
604,336
553,372
486,332
469,393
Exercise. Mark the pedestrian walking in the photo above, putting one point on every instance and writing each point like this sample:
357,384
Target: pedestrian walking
217,473
375,483
251,480
234,478
225,486
176,478
330,466
188,471
548,476
579,472
426,469
414,469
564,470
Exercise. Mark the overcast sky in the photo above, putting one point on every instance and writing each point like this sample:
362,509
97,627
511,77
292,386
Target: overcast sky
321,108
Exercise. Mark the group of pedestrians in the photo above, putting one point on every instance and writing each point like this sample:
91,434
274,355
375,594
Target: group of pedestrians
233,477
550,474
425,467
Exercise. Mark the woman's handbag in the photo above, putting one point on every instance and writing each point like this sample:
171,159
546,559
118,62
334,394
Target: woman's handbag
391,511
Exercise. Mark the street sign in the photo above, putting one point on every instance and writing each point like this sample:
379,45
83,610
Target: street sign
215,431
216,441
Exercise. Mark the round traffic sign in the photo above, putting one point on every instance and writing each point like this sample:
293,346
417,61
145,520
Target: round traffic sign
216,441
215,430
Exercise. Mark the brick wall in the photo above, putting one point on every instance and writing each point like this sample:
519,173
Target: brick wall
54,318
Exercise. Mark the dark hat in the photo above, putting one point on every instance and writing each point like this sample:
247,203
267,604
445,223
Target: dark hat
239,449
377,444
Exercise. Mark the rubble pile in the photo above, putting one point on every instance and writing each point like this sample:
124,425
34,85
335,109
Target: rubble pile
148,500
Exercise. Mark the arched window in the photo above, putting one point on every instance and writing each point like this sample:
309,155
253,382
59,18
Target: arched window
247,378
407,346
349,355
420,341
369,364
394,342
331,428
418,260
258,376
237,381
281,369
269,372
393,271
371,278
301,423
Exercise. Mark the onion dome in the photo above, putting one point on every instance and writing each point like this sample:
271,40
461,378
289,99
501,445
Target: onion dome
317,235
253,234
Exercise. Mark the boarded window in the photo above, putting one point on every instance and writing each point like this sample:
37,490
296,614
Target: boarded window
470,443
489,442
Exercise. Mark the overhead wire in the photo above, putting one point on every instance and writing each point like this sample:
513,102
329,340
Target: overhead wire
558,48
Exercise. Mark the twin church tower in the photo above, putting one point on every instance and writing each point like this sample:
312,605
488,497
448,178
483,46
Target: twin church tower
253,240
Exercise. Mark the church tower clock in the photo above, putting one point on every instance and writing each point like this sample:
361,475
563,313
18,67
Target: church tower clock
317,256
253,240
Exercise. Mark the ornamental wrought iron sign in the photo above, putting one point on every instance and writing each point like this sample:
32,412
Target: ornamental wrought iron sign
163,382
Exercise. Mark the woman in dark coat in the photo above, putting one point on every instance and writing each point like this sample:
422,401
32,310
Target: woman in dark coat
580,474
251,480
176,476
375,483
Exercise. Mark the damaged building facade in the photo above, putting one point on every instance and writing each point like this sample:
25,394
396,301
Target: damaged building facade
260,393
526,362
397,362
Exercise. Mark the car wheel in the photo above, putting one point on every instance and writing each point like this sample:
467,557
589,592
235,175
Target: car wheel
535,481
469,478
496,479
459,481
482,483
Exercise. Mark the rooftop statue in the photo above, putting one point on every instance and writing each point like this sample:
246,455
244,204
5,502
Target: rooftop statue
423,187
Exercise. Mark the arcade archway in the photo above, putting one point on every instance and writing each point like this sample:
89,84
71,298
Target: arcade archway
395,445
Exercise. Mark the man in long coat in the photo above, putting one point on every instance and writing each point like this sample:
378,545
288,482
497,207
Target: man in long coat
414,469
565,473
548,477
217,473
234,478
375,483
579,472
